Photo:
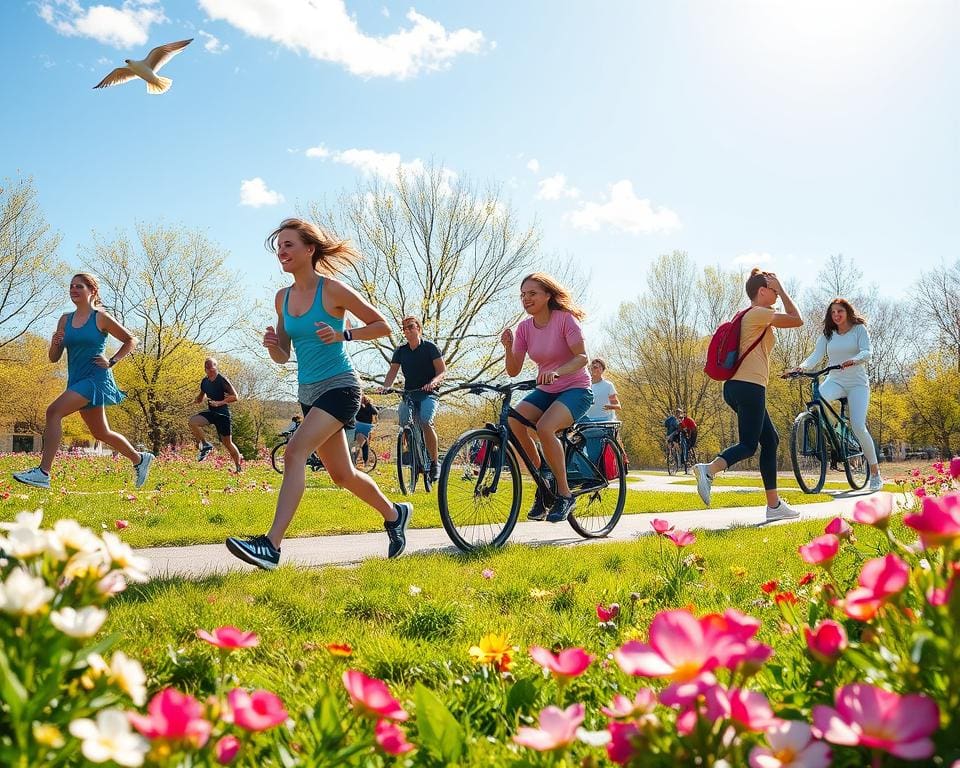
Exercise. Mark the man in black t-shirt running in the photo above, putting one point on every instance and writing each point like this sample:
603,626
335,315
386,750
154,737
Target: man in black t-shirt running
423,370
219,393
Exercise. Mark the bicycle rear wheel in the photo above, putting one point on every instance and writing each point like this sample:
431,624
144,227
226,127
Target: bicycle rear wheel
474,514
407,469
855,464
673,460
808,454
276,456
598,511
365,465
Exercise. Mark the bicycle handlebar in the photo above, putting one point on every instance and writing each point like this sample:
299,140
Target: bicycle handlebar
810,374
476,387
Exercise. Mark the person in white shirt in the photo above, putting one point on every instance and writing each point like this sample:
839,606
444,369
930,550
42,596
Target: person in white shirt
845,342
605,400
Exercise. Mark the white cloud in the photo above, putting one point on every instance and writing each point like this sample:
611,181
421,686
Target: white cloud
324,30
122,27
254,193
753,258
555,187
212,43
383,164
318,151
533,165
624,210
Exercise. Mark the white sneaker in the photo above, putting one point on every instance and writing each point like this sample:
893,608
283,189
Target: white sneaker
704,481
782,511
876,483
141,470
35,477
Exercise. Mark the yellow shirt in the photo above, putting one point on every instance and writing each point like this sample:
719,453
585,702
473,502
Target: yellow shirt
755,367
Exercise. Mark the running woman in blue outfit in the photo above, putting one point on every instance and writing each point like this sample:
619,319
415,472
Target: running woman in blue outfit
90,385
310,319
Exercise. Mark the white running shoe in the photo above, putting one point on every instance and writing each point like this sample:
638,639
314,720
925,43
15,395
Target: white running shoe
141,470
876,483
35,477
782,511
704,481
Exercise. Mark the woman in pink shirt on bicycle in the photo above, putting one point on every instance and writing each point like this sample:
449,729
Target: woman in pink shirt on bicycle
552,337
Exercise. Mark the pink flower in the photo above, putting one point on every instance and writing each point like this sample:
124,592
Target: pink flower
371,696
955,467
487,573
749,709
681,538
227,749
391,738
920,493
791,746
566,665
229,638
938,522
839,528
121,524
608,613
558,729
826,641
256,711
660,526
622,708
880,579
680,648
874,511
938,596
624,743
821,550
878,719
173,716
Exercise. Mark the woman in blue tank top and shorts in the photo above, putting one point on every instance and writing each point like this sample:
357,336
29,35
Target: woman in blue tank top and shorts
90,384
310,319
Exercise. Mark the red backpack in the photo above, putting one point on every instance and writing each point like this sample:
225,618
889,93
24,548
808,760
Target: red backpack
722,353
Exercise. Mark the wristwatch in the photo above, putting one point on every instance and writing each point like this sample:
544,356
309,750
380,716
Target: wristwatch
347,334
112,361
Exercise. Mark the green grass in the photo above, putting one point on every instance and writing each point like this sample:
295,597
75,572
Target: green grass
189,503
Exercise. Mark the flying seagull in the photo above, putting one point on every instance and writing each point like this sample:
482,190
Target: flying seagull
147,69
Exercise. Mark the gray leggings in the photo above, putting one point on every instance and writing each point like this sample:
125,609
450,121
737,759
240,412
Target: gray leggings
754,427
858,400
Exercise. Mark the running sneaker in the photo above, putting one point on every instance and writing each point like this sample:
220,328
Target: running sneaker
35,477
256,551
434,471
141,470
782,511
205,449
539,509
561,509
397,530
704,481
876,483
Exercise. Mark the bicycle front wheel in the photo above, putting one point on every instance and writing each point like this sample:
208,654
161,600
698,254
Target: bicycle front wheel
276,456
808,452
673,460
474,513
407,469
855,464
598,511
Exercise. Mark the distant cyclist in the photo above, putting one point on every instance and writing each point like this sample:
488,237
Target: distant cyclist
688,428
671,426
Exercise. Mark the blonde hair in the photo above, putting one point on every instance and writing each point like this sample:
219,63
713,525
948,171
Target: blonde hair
330,253
560,297
91,282
415,319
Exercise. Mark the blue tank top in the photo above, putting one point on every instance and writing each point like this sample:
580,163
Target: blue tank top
82,345
316,361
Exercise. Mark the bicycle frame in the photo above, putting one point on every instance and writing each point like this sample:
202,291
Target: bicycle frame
836,431
419,448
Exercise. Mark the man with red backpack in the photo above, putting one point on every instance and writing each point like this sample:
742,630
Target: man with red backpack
739,355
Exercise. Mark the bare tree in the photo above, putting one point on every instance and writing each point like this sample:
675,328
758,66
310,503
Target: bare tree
170,288
438,247
30,272
937,307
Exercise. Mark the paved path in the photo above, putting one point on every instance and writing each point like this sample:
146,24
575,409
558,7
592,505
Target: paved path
207,559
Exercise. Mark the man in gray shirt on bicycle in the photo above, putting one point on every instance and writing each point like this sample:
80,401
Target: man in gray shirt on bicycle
423,371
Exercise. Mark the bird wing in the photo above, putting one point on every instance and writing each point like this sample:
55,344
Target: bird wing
163,53
118,76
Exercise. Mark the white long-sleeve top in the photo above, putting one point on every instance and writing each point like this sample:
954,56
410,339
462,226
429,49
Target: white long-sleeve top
852,345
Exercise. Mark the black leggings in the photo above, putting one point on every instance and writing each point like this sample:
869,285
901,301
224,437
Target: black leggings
754,427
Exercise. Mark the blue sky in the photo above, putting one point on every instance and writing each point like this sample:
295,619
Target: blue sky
771,133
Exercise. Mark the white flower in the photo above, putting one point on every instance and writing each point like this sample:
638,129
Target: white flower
30,520
112,584
134,567
83,623
110,738
23,543
74,536
88,564
593,738
23,594
415,590
129,677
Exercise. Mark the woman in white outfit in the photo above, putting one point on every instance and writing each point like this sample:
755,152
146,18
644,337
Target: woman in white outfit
845,342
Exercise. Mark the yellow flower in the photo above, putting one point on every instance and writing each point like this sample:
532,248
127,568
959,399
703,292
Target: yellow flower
48,735
538,594
494,650
738,571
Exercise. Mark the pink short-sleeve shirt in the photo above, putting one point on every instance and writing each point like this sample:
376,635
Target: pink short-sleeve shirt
550,347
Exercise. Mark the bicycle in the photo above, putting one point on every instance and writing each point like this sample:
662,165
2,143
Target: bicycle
412,457
480,487
680,454
816,440
313,461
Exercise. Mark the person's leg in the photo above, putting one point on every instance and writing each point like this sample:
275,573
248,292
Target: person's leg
335,455
428,410
748,402
68,402
769,442
555,418
858,400
523,433
232,449
196,424
96,421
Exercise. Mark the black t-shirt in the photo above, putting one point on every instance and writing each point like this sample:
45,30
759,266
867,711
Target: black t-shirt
366,413
217,389
417,364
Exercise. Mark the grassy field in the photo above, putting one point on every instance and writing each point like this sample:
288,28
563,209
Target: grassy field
189,503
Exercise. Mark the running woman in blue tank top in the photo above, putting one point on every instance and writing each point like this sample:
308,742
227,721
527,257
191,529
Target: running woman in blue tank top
310,317
90,385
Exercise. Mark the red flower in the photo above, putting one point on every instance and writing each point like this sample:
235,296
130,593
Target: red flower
340,649
785,597
770,586
605,613
806,579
